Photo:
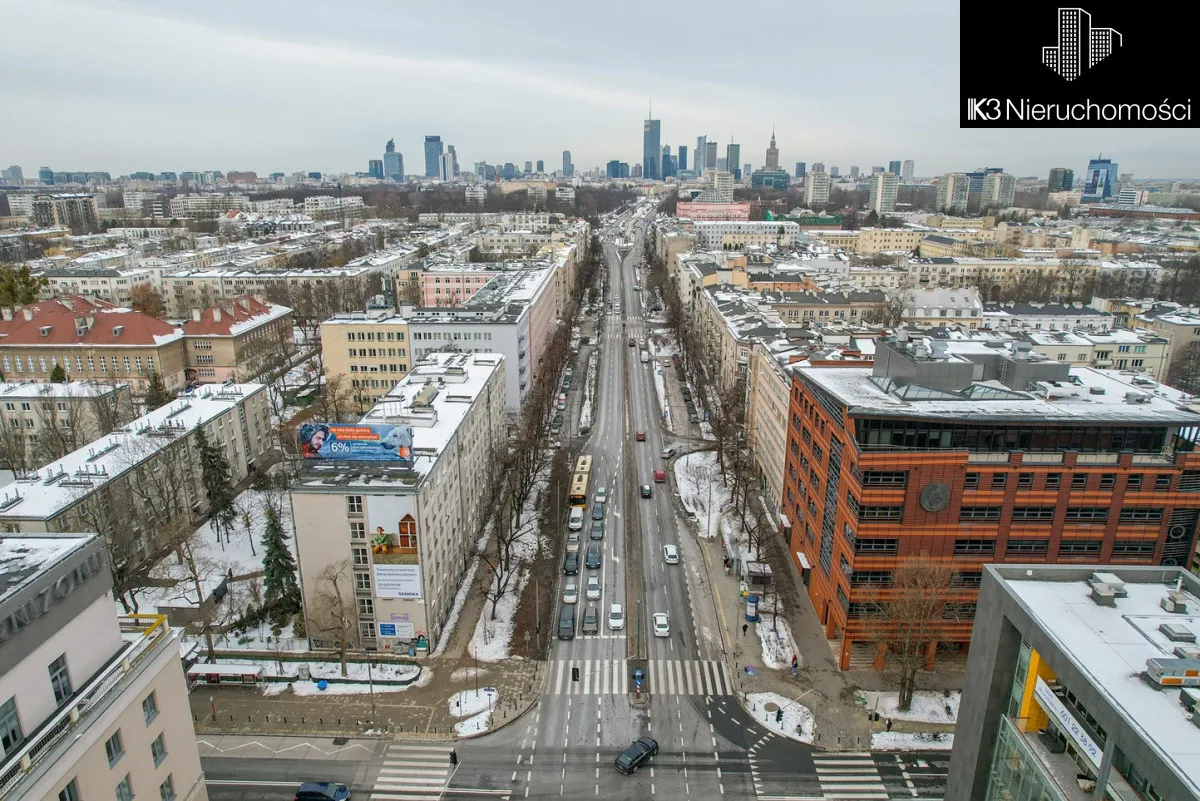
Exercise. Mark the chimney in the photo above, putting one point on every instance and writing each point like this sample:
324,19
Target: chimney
216,314
7,314
244,302
90,322
28,314
197,314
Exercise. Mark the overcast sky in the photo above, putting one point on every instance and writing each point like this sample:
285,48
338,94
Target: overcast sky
285,85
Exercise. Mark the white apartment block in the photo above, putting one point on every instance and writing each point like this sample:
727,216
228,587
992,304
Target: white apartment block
42,417
322,205
1045,317
944,306
816,189
429,510
207,207
114,285
884,186
714,235
476,193
999,189
92,705
952,191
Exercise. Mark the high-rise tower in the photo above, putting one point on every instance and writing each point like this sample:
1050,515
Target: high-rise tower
772,153
652,149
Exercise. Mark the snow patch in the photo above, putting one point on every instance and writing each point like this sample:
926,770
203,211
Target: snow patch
778,647
700,489
355,671
798,721
476,724
927,707
472,702
910,741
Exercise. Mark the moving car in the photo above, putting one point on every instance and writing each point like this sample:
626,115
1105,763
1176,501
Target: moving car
575,521
645,490
597,532
616,617
662,625
591,620
632,342
671,554
601,495
667,453
660,476
598,510
323,791
572,540
566,622
571,563
571,594
637,754
640,436
593,556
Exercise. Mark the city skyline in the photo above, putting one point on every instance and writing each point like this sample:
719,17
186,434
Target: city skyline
581,95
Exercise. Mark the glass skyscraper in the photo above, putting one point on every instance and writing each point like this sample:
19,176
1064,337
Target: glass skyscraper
1100,178
652,150
433,156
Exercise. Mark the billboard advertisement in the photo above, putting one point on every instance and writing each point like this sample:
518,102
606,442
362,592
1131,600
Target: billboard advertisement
363,443
398,581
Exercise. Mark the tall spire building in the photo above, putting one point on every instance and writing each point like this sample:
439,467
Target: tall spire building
652,148
772,153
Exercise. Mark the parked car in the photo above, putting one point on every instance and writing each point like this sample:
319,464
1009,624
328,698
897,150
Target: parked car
667,453
571,594
693,417
616,617
597,532
322,791
662,625
660,476
671,554
687,393
592,590
591,620
646,491
571,563
640,436
593,556
562,402
637,754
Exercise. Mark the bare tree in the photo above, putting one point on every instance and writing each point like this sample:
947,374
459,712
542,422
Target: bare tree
892,311
331,616
15,452
203,574
914,618
335,400
1075,280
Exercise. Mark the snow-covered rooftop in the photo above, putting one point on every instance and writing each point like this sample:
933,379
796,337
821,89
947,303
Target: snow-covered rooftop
1110,646
34,390
24,558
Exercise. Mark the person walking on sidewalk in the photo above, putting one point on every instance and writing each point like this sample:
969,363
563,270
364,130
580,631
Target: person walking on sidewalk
745,627
888,724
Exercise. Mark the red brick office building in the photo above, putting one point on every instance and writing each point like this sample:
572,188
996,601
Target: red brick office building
965,454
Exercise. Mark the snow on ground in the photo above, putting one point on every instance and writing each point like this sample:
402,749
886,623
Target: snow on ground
589,390
706,430
910,741
927,707
663,344
778,647
476,724
701,490
355,671
460,598
462,674
470,702
798,721
258,638
660,387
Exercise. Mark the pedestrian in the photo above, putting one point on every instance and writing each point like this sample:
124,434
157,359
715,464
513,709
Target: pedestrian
745,628
888,724
793,670
793,661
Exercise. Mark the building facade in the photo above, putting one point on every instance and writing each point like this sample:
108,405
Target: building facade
884,186
816,189
42,421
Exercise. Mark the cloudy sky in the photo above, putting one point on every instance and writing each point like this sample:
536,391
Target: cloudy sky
285,85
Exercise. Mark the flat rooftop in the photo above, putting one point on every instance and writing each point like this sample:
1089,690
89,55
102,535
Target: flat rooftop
1110,645
35,390
23,558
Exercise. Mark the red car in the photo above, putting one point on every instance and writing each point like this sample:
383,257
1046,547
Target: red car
640,436
660,476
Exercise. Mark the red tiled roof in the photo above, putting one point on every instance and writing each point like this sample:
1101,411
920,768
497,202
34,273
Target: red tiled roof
231,311
61,315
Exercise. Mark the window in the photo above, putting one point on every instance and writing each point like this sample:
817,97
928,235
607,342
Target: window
10,726
358,530
1162,482
1133,548
362,582
125,789
875,545
166,790
1027,513
366,607
1108,481
958,611
1053,480
60,680
1134,481
158,750
870,578
366,629
1086,514
974,547
969,514
114,748
967,578
149,708
882,513
360,556
999,480
1025,480
1141,514
971,481
354,504
70,792
1079,547
1028,546
1079,481
125,361
884,478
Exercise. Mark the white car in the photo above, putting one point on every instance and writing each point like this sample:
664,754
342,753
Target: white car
670,554
602,495
662,626
592,590
616,617
571,594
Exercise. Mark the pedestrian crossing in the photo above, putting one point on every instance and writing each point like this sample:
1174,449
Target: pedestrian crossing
662,677
413,773
849,777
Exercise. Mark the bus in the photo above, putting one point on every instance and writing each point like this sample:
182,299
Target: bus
579,482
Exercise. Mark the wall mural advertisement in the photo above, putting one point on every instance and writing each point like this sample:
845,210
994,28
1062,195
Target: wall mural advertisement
364,443
398,581
394,546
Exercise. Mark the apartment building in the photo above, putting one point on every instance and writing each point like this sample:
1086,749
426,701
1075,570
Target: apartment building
1045,317
816,189
767,394
121,478
80,213
41,421
1180,327
884,186
111,284
939,306
228,341
731,234
95,705
206,207
387,543
964,455
994,274
453,283
809,308
729,322
369,350
713,211
200,288
1080,678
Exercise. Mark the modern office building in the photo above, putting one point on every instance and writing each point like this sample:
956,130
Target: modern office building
393,162
1079,679
963,455
998,191
1100,180
14,176
617,169
568,167
952,191
772,153
541,166
433,156
710,155
682,161
733,157
854,172
816,189
652,150
1062,179
374,169
773,179
894,167
801,169
884,186
701,154
95,704
906,171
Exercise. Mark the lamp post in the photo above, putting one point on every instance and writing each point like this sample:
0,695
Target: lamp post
639,628
371,685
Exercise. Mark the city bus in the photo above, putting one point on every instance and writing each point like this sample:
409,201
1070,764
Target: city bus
579,482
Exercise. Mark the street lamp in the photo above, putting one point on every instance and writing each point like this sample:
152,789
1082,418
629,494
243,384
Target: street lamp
639,628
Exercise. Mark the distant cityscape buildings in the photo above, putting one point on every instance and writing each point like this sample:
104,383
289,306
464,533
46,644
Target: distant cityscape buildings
433,156
1100,178
393,162
682,161
800,169
733,157
772,153
906,172
651,149
894,167
568,168
1061,179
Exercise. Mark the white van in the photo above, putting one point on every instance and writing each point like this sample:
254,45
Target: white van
645,357
575,522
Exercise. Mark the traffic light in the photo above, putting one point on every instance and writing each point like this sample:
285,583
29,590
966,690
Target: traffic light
779,716
453,757
574,674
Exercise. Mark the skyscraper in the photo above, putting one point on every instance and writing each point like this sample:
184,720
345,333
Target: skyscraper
894,167
772,153
710,155
1100,178
393,162
568,167
818,167
14,175
816,189
883,192
998,191
906,172
433,155
953,189
801,168
682,158
1062,179
375,168
651,149
541,166
446,167
453,160
833,172
528,167
700,155
854,173
733,157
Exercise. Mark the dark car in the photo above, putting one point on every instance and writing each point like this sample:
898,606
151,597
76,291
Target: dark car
597,532
637,754
566,622
323,791
593,556
571,563
591,620
597,511
687,393
645,490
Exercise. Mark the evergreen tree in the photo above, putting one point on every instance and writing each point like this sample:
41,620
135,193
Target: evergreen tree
281,594
156,394
214,475
58,375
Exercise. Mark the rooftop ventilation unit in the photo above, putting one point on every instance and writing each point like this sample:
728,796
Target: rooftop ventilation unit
1112,580
1163,673
1104,595
1175,602
1187,651
1177,633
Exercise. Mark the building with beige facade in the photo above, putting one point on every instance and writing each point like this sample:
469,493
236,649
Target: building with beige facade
41,421
999,272
386,544
92,704
235,338
767,399
111,284
942,306
368,351
1180,327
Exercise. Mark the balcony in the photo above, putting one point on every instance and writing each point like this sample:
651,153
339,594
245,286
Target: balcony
146,636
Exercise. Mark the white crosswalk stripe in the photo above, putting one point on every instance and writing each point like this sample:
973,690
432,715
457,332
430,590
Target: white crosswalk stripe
849,777
413,773
663,677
